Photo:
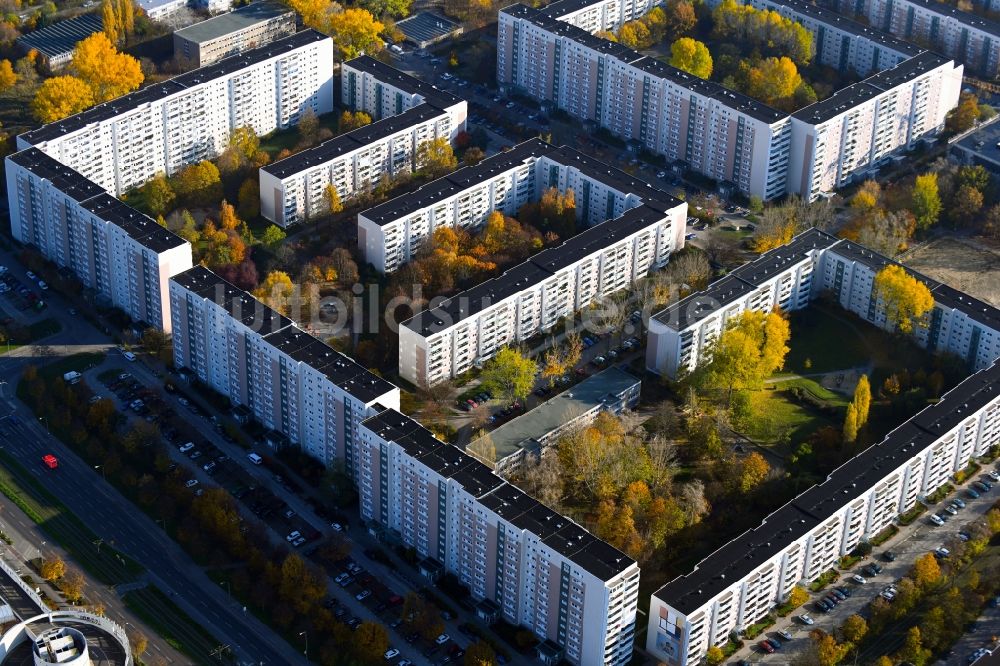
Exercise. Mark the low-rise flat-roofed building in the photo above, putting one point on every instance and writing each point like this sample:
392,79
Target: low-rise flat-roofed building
425,29
55,43
980,147
613,390
244,28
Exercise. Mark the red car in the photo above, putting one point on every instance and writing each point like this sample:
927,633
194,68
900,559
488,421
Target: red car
766,647
50,461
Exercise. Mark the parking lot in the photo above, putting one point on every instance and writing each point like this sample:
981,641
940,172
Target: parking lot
22,296
938,530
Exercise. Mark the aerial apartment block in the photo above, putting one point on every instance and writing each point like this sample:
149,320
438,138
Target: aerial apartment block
521,561
242,29
745,579
720,133
530,298
54,182
293,383
790,277
391,233
968,38
161,128
123,255
407,113
162,10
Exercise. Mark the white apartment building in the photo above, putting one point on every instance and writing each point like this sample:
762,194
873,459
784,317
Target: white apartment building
530,298
593,16
745,579
293,383
162,10
520,560
704,127
391,233
161,128
407,113
714,131
968,38
789,277
245,28
111,248
864,126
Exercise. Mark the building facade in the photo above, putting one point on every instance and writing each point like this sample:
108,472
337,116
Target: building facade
968,38
702,126
162,128
293,383
113,249
408,112
240,30
522,561
745,579
530,298
790,277
391,233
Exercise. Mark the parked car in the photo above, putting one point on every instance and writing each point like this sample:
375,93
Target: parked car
858,579
935,519
784,635
959,503
972,493
806,620
766,647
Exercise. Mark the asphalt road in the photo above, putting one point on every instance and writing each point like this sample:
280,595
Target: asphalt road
115,519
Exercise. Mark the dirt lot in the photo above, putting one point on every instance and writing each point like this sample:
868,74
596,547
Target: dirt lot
966,264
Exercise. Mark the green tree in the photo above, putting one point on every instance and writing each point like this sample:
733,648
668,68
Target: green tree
932,628
913,650
965,205
926,200
273,235
509,375
854,628
248,198
158,195
435,157
691,56
905,298
396,8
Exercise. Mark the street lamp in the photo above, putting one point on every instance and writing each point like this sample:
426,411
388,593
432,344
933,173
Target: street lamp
103,475
306,634
46,419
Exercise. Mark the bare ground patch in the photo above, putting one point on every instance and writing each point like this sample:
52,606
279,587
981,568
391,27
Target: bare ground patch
963,263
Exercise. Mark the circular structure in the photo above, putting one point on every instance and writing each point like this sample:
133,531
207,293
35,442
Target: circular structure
65,638
61,645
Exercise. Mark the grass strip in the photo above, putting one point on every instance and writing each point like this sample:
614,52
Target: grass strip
175,626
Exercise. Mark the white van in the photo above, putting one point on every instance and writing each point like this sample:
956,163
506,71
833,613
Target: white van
254,458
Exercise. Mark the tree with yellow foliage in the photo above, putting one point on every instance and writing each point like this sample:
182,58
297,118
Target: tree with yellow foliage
905,298
353,120
314,13
7,76
714,656
109,73
332,198
774,80
753,346
926,571
851,423
635,35
275,290
61,96
691,56
356,32
109,20
435,157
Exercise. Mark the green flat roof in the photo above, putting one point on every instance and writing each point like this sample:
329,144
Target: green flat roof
238,19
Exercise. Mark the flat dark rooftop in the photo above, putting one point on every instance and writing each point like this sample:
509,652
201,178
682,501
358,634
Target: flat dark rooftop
695,307
972,20
839,22
477,479
426,26
239,304
738,558
67,180
351,141
848,98
403,81
140,228
764,267
980,311
62,37
234,21
178,84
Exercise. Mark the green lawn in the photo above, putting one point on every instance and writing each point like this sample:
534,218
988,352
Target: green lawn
778,418
36,331
279,140
79,362
173,624
827,340
107,565
813,388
